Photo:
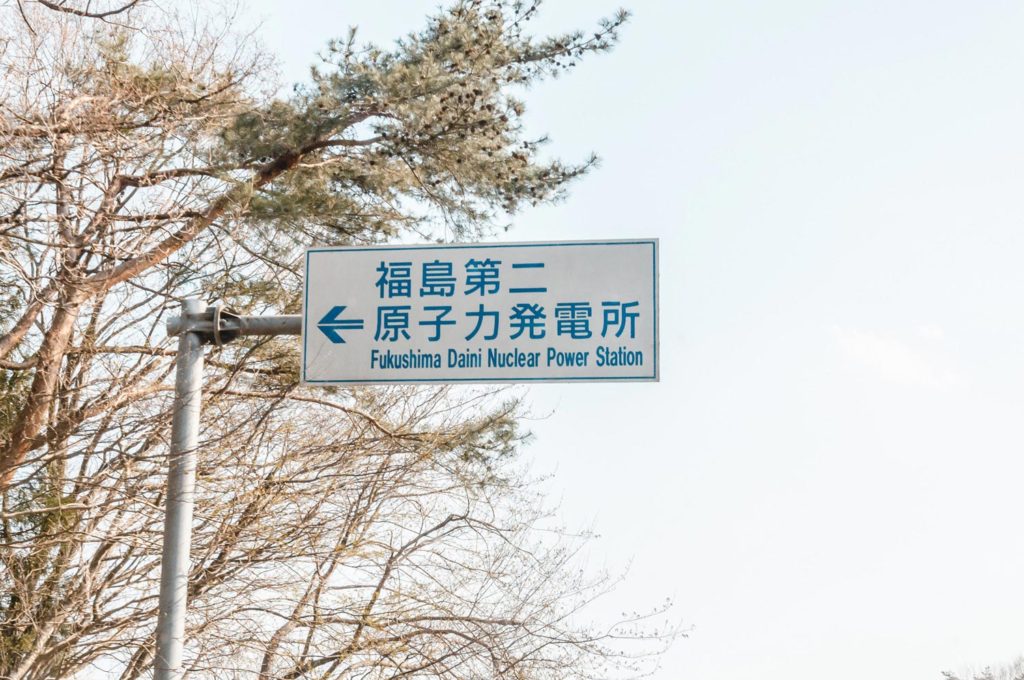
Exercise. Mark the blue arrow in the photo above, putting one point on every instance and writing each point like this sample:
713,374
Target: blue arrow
331,324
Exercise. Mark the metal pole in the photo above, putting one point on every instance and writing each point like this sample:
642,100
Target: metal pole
239,325
196,326
181,481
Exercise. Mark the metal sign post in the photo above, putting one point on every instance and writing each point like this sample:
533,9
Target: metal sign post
197,326
555,312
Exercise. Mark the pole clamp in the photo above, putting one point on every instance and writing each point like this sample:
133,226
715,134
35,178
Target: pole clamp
227,326
214,326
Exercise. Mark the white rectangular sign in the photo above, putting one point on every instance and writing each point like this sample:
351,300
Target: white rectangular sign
506,312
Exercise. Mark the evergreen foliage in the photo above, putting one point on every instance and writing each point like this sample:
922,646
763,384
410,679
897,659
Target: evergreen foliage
376,533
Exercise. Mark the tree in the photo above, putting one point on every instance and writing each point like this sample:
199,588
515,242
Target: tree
1010,671
381,532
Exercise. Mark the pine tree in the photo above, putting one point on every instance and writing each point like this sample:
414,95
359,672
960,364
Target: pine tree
388,532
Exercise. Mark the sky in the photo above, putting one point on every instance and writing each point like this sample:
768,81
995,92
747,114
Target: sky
827,478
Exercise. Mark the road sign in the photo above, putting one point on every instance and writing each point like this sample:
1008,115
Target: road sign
508,312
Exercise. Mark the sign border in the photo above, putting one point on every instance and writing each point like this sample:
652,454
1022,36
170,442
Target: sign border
654,377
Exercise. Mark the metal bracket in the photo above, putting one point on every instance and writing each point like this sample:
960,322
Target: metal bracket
224,333
214,326
219,326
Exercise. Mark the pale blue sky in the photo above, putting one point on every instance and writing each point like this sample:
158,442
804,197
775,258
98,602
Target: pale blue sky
828,479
